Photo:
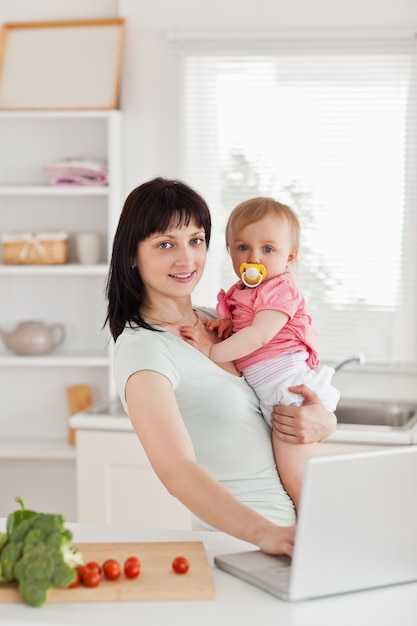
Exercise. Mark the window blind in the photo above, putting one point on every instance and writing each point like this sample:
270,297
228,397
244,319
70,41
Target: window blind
329,127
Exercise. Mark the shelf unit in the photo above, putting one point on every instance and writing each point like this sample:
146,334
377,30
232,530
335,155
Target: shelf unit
33,403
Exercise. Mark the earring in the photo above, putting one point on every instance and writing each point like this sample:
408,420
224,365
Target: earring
133,267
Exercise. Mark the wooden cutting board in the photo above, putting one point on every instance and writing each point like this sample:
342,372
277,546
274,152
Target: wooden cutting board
157,580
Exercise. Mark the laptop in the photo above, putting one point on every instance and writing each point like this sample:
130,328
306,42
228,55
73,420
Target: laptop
356,529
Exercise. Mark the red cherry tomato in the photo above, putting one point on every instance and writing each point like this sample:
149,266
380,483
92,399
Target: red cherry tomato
93,565
80,569
180,565
91,577
131,567
111,569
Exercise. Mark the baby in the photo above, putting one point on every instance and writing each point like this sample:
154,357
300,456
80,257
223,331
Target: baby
273,342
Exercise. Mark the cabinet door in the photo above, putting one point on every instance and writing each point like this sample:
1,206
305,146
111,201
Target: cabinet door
117,485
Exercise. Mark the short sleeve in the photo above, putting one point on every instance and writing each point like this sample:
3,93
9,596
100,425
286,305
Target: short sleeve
140,350
281,296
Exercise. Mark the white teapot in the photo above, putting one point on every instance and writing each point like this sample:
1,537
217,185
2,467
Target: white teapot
33,337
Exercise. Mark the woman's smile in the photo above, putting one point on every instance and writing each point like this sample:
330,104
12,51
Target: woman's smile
183,277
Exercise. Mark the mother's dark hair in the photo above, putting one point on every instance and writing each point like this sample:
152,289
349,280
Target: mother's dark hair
153,207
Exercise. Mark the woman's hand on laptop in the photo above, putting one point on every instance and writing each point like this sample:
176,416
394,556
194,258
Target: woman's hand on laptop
308,423
276,539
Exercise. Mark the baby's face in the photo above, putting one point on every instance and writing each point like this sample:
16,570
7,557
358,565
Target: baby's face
268,242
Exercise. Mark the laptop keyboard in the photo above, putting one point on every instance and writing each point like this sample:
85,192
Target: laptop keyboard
280,573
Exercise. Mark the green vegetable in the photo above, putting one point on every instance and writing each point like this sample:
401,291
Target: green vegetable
3,540
39,555
13,520
18,516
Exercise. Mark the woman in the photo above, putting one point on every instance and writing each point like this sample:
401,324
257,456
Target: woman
199,424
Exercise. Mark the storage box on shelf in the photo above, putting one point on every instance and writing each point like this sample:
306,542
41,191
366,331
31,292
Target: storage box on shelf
33,409
34,248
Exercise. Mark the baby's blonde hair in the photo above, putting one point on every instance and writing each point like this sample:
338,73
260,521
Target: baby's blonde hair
254,210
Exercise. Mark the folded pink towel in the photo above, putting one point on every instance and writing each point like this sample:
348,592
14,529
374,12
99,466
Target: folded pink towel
76,172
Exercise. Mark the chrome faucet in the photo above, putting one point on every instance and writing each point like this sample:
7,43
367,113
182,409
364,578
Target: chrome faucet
356,358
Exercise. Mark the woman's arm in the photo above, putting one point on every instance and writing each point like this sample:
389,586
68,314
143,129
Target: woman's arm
308,423
157,421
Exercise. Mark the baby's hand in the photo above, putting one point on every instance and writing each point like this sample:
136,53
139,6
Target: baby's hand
193,336
223,326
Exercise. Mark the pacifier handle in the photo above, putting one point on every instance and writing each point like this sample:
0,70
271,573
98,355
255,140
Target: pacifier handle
252,274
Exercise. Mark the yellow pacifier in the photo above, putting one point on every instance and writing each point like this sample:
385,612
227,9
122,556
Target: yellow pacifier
252,274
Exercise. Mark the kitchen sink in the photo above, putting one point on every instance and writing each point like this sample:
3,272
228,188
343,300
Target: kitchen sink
379,414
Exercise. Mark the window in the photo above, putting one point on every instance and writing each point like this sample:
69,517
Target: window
327,127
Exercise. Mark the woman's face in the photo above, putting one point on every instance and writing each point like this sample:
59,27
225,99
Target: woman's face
171,263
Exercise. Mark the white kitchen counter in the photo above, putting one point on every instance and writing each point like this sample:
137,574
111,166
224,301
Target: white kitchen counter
236,604
110,416
84,421
107,415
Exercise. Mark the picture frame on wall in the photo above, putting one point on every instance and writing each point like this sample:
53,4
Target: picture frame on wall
61,65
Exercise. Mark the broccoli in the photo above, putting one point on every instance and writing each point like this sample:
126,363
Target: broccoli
39,555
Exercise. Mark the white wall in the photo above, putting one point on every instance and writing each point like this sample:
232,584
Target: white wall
49,10
258,14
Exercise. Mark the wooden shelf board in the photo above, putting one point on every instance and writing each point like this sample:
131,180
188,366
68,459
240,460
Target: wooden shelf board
55,360
42,449
67,269
54,190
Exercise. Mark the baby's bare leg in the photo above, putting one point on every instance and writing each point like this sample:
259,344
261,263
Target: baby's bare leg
290,459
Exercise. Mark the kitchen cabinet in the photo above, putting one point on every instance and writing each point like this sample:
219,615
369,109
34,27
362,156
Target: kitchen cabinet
116,484
330,447
33,402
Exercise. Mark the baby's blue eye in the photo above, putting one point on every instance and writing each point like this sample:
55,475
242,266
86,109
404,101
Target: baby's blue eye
267,249
243,246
